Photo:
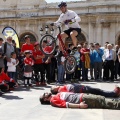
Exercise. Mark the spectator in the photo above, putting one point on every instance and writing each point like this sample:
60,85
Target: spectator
6,83
110,57
60,66
77,73
119,61
104,62
38,65
27,45
85,58
47,62
1,42
28,62
70,47
2,60
117,64
92,61
7,49
98,53
12,66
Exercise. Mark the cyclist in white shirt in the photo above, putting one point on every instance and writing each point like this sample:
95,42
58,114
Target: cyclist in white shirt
70,19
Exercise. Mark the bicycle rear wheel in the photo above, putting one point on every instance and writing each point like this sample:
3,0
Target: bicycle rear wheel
70,64
47,44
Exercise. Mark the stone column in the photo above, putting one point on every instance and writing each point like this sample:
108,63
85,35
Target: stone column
91,33
106,33
112,33
98,34
94,32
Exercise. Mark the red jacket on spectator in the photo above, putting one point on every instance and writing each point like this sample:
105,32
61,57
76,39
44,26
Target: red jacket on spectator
26,46
82,51
5,77
28,61
37,53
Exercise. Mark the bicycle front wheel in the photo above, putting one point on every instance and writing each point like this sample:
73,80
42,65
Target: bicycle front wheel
47,44
70,64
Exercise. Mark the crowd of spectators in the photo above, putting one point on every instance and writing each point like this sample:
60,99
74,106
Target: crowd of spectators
103,62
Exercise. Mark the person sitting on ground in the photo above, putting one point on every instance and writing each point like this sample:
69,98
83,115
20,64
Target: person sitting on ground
79,100
6,83
78,88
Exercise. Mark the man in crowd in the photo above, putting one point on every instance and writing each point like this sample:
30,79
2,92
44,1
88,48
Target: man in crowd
7,49
98,53
78,88
47,61
110,57
79,100
92,47
38,65
85,58
1,42
27,45
117,63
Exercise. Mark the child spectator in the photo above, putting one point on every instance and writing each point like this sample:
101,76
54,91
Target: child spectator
28,62
6,83
12,66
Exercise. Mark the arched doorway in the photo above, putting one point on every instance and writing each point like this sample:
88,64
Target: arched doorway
32,38
81,39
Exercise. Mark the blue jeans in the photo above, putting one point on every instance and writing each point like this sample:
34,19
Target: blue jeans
61,71
97,91
12,75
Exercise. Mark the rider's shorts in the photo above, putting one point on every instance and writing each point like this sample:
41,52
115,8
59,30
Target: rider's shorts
71,29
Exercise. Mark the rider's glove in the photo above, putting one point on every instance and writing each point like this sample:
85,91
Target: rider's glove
67,21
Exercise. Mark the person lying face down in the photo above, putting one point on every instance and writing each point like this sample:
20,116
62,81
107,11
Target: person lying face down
79,100
78,88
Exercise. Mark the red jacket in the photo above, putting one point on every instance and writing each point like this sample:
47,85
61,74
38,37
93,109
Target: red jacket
82,51
63,98
35,54
5,77
28,61
26,46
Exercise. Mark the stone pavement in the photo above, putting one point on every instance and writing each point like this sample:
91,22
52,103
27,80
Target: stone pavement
23,104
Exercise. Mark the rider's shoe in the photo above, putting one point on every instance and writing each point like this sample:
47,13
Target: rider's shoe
74,48
73,51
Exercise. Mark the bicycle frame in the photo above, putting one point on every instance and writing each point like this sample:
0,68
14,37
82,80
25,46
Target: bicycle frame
64,50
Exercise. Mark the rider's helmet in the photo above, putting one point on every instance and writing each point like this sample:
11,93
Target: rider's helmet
62,4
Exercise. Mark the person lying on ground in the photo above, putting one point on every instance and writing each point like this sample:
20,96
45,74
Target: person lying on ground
78,88
79,100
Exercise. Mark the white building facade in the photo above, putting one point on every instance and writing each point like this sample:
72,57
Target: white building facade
100,19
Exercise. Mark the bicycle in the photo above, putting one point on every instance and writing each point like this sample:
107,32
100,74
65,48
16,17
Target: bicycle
70,61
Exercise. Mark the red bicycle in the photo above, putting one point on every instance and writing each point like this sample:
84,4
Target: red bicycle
50,41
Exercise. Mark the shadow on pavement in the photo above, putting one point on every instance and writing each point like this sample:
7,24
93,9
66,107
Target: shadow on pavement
9,97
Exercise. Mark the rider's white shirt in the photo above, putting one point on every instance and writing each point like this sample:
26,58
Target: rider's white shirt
69,15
